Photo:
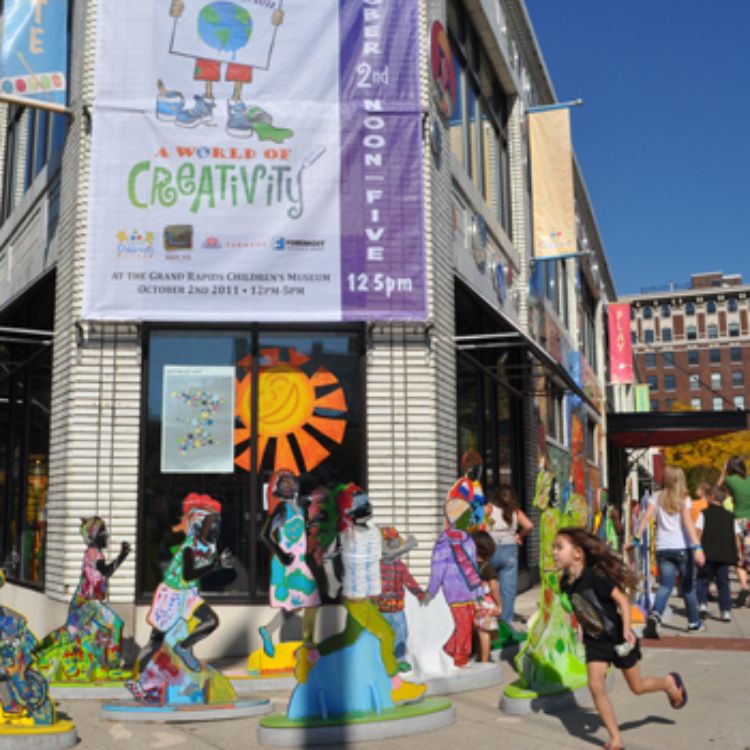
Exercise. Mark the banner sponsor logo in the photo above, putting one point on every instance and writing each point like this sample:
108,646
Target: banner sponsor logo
620,345
552,183
135,243
35,51
290,129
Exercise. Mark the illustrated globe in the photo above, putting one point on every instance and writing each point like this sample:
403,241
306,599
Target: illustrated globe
225,27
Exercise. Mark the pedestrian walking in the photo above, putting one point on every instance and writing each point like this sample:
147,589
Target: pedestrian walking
507,525
678,549
734,478
595,581
720,536
703,490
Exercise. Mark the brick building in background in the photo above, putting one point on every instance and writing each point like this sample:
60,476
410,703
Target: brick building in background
692,343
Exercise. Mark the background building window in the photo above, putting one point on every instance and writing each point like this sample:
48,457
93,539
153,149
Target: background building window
654,404
695,382
693,357
691,333
710,306
713,331
668,359
734,329
669,404
666,334
739,402
648,312
695,403
670,383
650,360
718,403
736,354
653,382
732,304
689,309
714,356
648,336
715,380
311,378
738,378
666,311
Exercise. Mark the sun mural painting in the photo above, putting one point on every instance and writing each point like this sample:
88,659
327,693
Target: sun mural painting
298,403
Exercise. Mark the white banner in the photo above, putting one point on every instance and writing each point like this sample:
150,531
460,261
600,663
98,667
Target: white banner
222,164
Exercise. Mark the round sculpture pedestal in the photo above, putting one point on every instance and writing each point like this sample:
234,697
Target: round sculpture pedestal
61,735
135,711
426,716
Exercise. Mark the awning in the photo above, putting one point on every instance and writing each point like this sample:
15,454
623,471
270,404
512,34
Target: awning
652,429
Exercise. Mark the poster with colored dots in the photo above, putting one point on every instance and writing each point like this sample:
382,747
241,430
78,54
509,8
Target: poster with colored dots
35,51
197,420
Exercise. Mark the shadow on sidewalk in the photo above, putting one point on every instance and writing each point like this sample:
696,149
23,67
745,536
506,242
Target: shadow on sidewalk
584,723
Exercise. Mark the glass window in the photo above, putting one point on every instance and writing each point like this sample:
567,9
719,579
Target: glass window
591,441
689,308
668,359
648,312
738,378
718,403
309,418
695,382
693,357
732,304
739,402
653,382
691,332
715,380
714,356
666,311
669,404
634,337
650,360
734,329
666,334
736,354
695,403
710,306
648,336
713,331
654,404
669,383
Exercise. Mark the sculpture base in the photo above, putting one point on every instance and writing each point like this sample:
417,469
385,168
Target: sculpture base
89,691
426,716
135,711
245,683
58,736
472,677
517,700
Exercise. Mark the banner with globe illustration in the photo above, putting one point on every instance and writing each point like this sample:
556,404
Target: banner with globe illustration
256,160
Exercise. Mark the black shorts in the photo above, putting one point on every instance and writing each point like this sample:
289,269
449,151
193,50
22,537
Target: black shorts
604,650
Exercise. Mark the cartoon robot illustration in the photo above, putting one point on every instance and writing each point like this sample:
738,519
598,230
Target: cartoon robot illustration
225,28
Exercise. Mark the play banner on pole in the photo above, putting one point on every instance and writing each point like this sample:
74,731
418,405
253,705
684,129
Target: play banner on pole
35,51
620,344
256,160
552,188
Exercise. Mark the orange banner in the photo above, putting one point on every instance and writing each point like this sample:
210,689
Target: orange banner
552,183
620,345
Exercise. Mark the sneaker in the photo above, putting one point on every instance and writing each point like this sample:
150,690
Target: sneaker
201,113
703,611
651,630
169,104
741,599
242,120
726,616
697,627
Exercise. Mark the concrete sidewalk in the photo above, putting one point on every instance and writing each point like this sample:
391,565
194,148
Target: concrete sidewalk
716,715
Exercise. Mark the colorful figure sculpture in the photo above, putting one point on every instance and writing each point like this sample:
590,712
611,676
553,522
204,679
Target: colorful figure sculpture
89,646
293,586
322,533
454,569
168,670
469,489
552,659
25,697
355,670
395,578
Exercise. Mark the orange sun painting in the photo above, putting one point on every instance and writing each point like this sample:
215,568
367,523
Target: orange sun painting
297,404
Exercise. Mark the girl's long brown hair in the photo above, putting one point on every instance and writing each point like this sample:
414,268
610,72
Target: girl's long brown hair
504,497
600,557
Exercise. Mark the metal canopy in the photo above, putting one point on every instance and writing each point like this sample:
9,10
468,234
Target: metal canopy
652,429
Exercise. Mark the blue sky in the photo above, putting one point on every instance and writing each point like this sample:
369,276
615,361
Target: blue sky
663,136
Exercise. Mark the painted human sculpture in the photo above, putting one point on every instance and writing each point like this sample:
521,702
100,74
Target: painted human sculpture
24,692
454,570
293,586
355,670
469,489
395,579
168,670
88,647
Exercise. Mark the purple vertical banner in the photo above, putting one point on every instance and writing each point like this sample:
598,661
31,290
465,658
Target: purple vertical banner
382,212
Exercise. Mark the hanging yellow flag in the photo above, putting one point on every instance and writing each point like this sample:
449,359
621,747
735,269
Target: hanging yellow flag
552,183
